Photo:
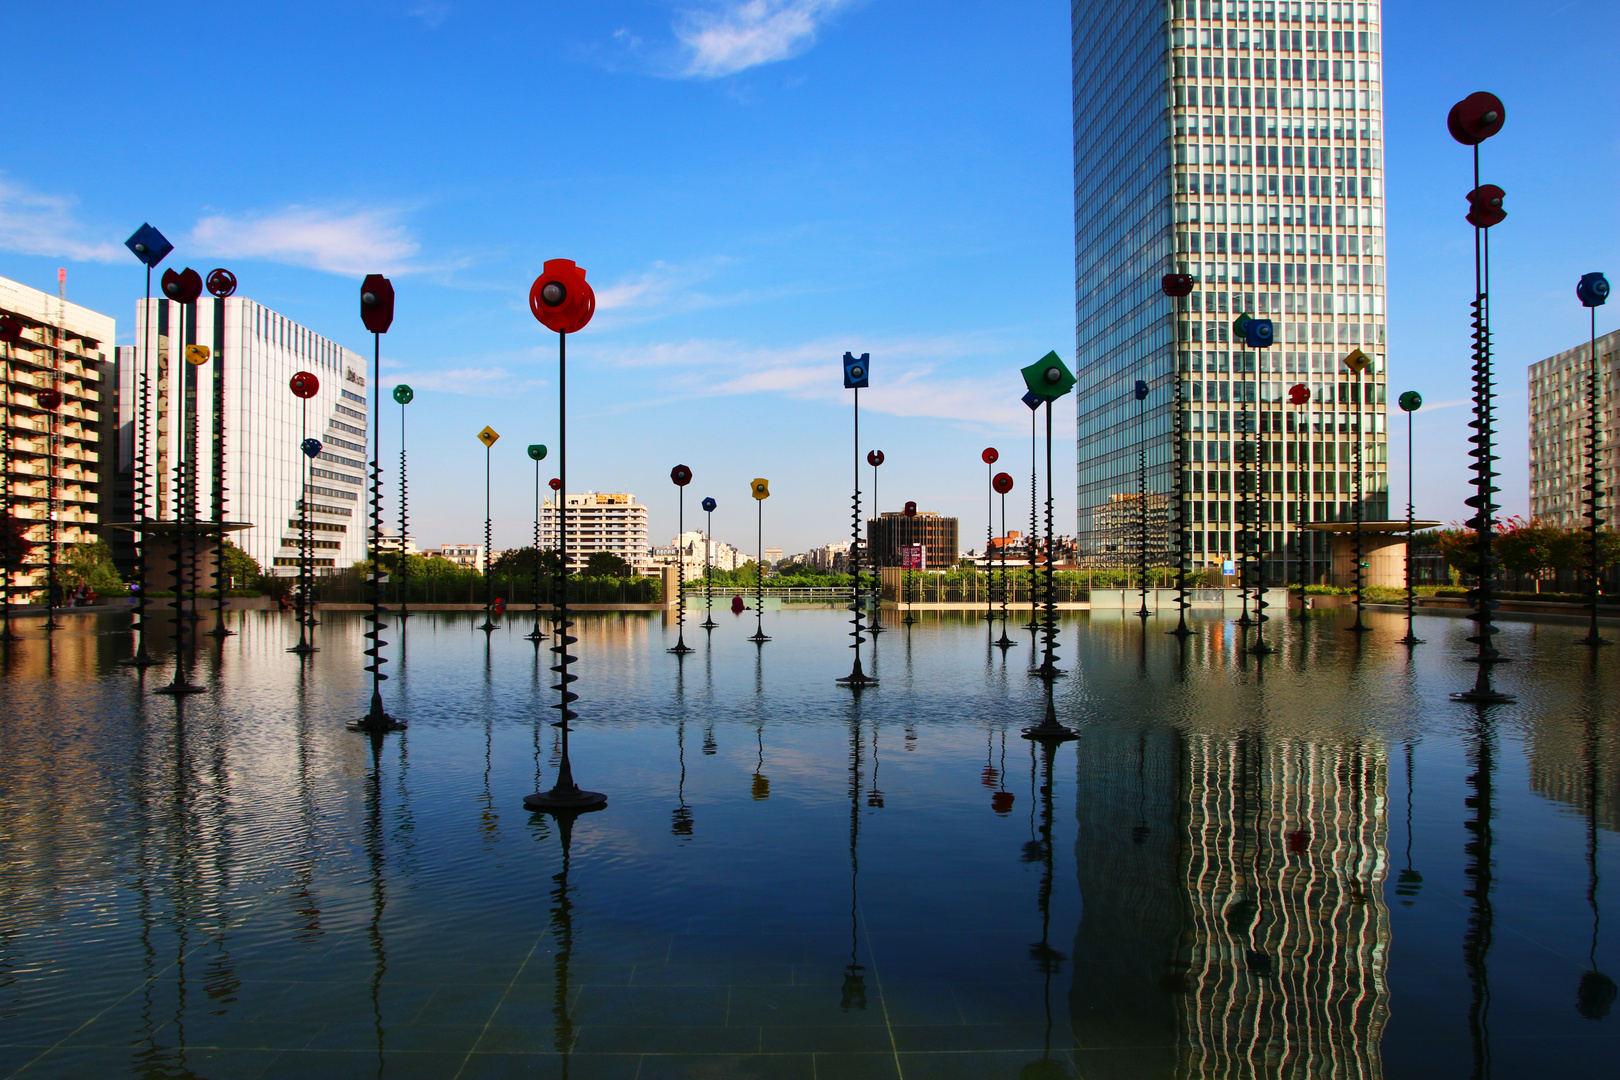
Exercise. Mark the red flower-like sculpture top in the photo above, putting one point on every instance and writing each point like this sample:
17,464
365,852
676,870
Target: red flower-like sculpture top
991,455
221,282
304,385
911,509
1003,483
1177,284
681,475
1299,394
377,303
874,458
48,398
561,299
1476,118
183,287
556,484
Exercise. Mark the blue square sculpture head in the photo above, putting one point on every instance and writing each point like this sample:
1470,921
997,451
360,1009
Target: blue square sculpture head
149,245
1593,291
856,371
1257,333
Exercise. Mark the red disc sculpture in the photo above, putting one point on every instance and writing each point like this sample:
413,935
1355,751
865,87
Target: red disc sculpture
560,298
221,283
1485,206
911,509
555,484
1299,394
1003,483
874,458
183,287
1177,284
681,475
48,398
377,303
10,330
304,385
990,455
1476,118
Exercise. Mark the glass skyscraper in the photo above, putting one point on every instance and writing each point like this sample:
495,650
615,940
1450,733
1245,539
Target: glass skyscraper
1240,142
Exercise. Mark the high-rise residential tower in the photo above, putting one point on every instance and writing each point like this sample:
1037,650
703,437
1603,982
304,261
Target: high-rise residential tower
1240,142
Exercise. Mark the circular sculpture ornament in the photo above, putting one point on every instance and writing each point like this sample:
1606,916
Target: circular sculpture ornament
48,398
537,451
1476,118
1299,394
1177,284
709,505
221,282
184,287
404,394
311,447
304,385
1411,401
681,475
760,488
874,458
1003,483
911,509
1593,291
556,484
560,298
990,456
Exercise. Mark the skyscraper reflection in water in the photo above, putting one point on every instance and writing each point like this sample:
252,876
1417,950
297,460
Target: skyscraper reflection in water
1234,921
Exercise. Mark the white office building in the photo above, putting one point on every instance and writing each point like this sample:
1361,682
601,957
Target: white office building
255,353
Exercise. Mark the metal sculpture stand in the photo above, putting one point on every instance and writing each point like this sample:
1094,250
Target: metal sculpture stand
1409,402
1177,286
537,453
856,679
1593,292
489,624
221,283
681,647
989,457
1359,626
377,295
1034,528
404,394
1141,529
1303,480
1478,122
306,639
52,452
708,622
185,515
1258,453
143,489
1247,509
1048,668
565,795
9,331
876,458
759,636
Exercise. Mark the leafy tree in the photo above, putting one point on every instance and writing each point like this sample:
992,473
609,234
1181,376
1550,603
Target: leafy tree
1525,547
238,569
1457,547
91,565
519,562
607,564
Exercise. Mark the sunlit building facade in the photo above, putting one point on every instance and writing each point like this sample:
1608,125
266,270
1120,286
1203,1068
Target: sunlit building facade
599,521
1558,424
1240,142
255,353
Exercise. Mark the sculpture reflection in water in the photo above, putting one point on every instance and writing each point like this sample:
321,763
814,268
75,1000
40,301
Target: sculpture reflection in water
1480,870
852,994
1595,996
1048,961
681,820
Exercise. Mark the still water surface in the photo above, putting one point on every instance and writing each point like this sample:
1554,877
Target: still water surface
1315,865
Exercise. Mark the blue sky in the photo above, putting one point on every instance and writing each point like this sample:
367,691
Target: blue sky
753,188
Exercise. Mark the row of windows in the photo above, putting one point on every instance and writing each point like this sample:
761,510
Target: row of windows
352,396
1276,361
341,478
1265,11
318,526
1205,67
341,426
1345,245
1285,215
330,493
346,411
336,460
1339,41
1274,127
321,508
1291,157
1321,275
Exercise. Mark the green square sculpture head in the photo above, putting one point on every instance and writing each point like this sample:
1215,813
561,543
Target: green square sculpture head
1048,378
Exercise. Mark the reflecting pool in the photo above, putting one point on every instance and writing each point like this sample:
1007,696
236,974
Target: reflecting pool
1309,865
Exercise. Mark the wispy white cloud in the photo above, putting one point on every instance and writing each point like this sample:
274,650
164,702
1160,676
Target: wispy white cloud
663,289
735,35
34,223
469,381
337,241
430,12
918,377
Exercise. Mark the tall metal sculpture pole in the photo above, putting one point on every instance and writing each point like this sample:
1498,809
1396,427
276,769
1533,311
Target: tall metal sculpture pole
11,537
1299,395
304,386
1410,402
183,288
874,458
488,437
760,488
221,284
1033,401
1002,483
681,476
562,300
50,399
537,454
1246,479
856,375
1177,287
1472,121
1357,361
1141,393
1049,379
405,395
377,312
908,562
990,456
1258,335
151,247
708,562
1593,292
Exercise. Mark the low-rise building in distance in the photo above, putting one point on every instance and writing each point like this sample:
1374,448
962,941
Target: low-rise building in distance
599,521
888,533
466,556
688,549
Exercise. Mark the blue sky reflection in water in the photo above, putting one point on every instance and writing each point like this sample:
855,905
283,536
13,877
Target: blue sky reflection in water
1239,869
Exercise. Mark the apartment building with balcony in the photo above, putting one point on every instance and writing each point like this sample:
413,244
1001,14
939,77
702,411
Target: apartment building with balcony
599,521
